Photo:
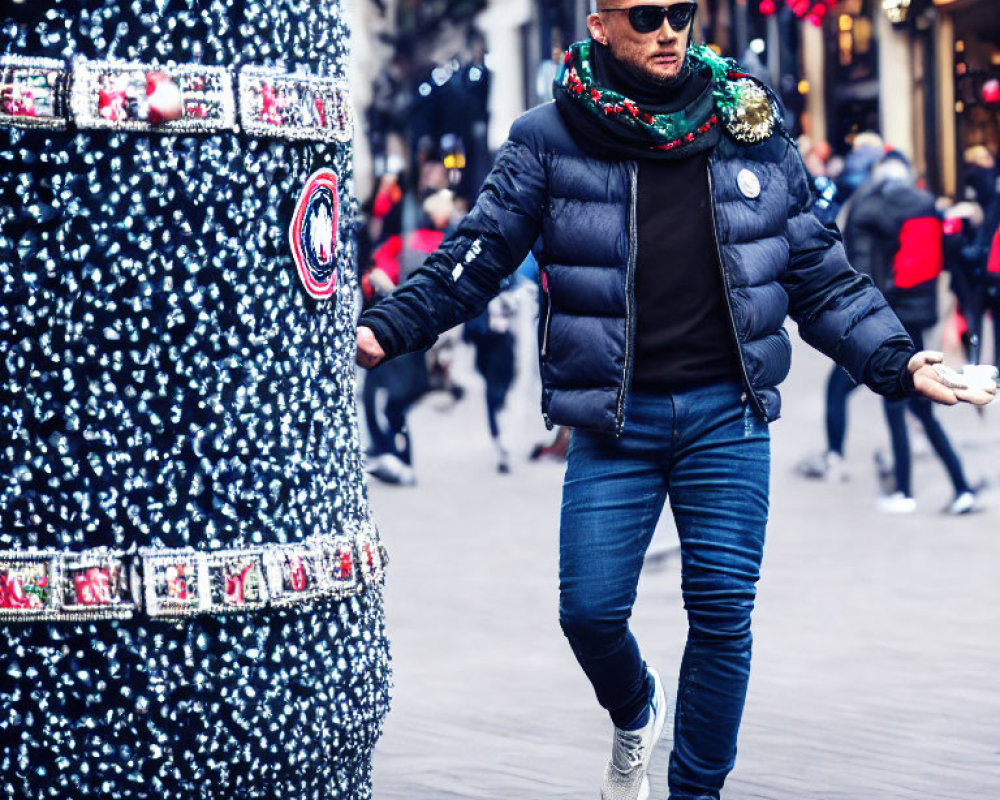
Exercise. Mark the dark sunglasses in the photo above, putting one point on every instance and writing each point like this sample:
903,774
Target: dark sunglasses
646,19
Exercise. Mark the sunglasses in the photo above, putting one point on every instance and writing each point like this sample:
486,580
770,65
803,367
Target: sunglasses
646,19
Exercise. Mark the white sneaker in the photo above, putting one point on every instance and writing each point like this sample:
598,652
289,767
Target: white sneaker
390,468
963,503
625,776
828,466
885,473
503,456
836,471
896,503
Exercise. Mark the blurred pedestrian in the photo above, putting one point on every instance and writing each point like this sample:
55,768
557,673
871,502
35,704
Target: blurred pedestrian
828,198
492,336
392,390
989,238
965,256
386,218
557,448
434,183
675,230
991,280
388,393
968,234
832,207
894,234
979,175
866,150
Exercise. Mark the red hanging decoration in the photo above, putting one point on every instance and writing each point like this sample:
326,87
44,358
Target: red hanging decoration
813,11
991,91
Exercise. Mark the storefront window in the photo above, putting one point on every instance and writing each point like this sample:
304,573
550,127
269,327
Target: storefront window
852,70
977,76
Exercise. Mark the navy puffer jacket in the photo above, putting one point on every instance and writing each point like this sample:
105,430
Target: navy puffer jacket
578,212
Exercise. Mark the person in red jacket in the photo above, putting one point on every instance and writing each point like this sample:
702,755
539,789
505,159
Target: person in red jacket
894,233
394,388
991,300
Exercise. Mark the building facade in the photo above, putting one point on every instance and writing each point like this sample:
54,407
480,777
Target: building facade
923,73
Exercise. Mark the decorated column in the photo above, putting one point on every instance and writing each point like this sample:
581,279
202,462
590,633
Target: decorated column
190,582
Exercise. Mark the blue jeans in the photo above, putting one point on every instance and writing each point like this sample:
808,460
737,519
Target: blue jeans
709,453
838,387
923,410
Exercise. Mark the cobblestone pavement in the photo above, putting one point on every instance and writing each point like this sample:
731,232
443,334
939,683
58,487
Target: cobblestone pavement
877,638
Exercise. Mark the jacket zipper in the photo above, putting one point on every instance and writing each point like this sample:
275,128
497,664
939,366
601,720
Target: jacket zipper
548,316
633,245
751,394
546,324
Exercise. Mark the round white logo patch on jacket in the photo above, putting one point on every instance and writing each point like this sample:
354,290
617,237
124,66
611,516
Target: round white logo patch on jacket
749,184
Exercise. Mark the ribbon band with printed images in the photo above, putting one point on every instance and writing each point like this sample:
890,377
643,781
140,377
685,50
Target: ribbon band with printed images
101,583
172,98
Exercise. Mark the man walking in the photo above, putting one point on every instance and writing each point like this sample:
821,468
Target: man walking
674,234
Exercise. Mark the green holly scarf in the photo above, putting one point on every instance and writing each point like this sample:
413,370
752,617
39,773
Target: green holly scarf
745,108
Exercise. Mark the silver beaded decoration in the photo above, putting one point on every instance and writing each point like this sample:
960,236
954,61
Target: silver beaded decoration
751,117
166,381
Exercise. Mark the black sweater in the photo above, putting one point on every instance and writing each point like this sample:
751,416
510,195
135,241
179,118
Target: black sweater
683,334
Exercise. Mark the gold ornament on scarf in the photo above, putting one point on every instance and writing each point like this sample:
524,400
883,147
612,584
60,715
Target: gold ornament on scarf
750,117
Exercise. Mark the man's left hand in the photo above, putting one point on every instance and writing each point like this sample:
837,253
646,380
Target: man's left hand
943,385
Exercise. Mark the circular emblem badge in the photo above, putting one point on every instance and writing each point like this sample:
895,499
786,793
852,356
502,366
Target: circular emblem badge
313,234
749,184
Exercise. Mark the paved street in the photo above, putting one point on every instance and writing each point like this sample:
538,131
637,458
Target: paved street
877,639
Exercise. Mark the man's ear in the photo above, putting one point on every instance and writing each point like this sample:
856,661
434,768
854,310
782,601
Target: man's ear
596,27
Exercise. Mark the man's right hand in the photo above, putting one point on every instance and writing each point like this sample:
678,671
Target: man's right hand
932,379
370,352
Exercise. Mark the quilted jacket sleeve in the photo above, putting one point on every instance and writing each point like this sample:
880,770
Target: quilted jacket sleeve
838,310
458,280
